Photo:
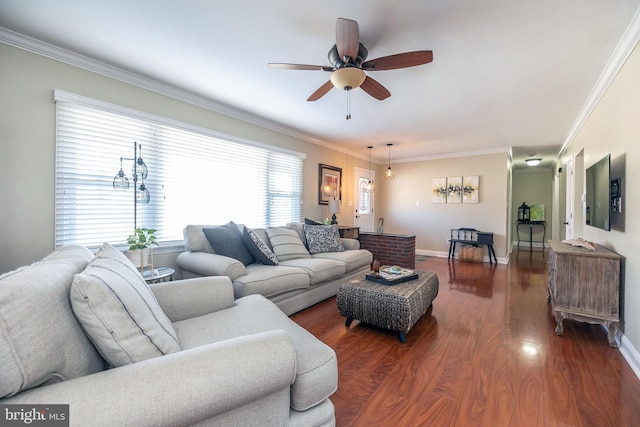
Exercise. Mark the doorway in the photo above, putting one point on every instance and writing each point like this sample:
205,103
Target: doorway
364,200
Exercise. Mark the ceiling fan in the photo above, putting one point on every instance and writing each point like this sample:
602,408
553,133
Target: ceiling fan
348,58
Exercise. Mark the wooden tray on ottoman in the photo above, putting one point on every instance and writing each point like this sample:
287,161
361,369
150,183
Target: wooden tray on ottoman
392,279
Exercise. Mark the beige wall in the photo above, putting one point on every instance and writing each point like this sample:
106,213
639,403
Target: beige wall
406,205
27,143
613,128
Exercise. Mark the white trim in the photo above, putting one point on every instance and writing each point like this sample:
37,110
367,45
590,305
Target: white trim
620,54
56,53
440,254
496,150
630,354
60,95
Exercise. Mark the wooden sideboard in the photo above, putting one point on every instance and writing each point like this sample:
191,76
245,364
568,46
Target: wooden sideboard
584,285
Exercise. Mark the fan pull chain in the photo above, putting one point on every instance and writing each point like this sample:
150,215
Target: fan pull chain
348,104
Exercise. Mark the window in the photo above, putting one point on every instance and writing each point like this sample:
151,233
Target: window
196,176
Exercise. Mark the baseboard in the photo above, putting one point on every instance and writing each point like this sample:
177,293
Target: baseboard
526,245
630,354
432,253
446,255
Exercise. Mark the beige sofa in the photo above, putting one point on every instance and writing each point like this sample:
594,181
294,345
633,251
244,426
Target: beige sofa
87,332
302,277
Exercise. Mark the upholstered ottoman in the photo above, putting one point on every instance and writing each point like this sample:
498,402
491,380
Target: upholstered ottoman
396,307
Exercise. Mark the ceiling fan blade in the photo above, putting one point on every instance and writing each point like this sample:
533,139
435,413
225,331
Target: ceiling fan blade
347,39
375,89
399,60
281,66
322,91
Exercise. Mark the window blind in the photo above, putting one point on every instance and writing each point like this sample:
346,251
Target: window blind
196,176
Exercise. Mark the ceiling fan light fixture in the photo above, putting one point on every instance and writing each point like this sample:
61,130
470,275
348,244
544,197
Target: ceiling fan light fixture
534,161
348,78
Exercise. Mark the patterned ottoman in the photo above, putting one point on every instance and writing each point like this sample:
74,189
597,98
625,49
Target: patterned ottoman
397,307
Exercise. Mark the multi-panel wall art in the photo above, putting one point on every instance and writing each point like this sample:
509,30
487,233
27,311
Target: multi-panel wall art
456,189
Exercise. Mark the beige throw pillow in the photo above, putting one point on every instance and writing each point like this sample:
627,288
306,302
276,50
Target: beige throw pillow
119,312
286,244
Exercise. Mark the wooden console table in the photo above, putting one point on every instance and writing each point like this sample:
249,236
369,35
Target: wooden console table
584,285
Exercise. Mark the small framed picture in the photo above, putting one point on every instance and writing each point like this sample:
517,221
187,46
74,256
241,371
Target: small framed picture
330,184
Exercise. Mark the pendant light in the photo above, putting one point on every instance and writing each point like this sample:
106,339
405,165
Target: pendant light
370,188
389,173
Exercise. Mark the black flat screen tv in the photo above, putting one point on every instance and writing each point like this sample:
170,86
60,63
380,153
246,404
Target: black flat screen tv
598,196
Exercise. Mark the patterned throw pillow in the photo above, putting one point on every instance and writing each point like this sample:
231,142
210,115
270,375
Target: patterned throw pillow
227,240
323,238
258,247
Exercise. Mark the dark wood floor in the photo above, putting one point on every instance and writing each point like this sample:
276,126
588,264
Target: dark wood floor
486,355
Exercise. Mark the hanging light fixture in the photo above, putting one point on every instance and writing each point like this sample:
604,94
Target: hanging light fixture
533,161
140,172
389,173
120,182
348,78
370,188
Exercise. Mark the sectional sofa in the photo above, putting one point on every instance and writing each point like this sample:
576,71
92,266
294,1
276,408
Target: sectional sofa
295,266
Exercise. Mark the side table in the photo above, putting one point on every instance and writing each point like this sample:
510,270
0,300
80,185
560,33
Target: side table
157,275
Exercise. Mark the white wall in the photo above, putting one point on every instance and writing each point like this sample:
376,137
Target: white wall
613,128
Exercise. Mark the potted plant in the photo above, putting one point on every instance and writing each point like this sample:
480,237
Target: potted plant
139,243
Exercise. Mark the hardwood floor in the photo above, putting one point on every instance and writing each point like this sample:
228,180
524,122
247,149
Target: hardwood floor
485,355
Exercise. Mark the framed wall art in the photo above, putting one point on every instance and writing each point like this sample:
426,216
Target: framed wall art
330,183
439,190
470,189
454,189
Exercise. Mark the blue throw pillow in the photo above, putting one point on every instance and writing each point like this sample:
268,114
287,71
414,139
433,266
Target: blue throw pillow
226,240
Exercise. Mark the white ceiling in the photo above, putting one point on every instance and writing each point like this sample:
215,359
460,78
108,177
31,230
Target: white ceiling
506,73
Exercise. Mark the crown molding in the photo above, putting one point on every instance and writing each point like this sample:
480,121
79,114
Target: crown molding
56,53
496,150
619,56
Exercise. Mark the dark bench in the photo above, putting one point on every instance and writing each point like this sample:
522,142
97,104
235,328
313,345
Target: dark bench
473,237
